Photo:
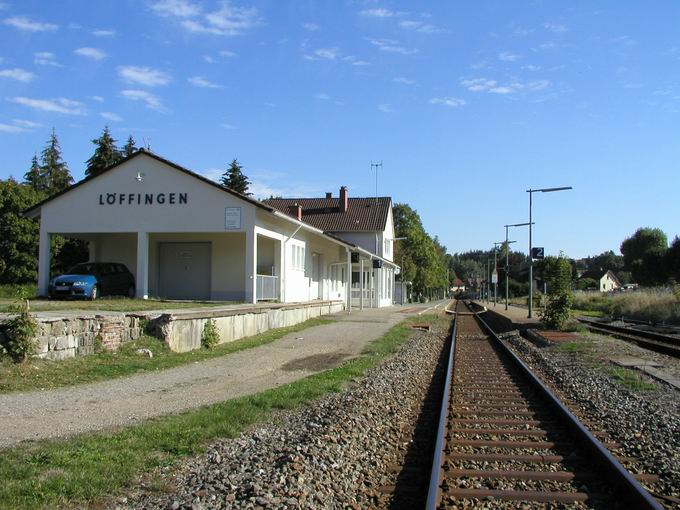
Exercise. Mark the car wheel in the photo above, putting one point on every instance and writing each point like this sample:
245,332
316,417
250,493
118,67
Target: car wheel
94,294
131,291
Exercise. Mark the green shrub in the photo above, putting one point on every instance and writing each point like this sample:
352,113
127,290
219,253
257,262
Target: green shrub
557,311
20,332
210,337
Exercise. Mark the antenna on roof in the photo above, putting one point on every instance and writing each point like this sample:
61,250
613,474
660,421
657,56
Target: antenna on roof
147,143
376,165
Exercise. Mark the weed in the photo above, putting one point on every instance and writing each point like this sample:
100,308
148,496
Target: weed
631,379
210,337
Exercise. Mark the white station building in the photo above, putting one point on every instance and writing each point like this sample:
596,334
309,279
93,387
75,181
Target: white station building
186,237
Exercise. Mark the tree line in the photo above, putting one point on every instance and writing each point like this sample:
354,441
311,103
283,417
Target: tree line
47,175
647,259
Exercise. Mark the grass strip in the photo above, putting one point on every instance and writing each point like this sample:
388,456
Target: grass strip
107,304
631,379
38,374
87,468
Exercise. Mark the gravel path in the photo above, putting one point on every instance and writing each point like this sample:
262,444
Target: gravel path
339,452
646,423
126,401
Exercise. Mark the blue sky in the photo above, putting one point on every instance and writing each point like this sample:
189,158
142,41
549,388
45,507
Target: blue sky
467,104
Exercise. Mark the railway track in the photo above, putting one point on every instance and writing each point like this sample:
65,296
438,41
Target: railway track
647,339
503,436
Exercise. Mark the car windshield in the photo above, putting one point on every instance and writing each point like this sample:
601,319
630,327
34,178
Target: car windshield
83,269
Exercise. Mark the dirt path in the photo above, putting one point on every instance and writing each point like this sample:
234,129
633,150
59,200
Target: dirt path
129,400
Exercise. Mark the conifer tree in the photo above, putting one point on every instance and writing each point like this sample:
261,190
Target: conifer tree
56,174
234,178
35,177
105,155
130,147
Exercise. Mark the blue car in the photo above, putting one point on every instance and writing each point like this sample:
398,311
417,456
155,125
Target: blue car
90,280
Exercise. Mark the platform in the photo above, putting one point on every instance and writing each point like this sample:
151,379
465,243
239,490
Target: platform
514,314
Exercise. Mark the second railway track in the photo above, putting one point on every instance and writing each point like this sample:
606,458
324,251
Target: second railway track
504,437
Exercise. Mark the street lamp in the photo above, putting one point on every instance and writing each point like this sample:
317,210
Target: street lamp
507,258
531,258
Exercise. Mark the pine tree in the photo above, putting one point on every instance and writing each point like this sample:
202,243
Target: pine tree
234,178
54,169
35,178
130,147
105,155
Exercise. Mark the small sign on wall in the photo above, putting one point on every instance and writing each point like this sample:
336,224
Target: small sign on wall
232,218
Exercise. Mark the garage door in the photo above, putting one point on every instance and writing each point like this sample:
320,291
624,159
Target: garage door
184,270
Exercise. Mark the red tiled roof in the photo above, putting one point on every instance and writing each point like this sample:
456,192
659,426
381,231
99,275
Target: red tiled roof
363,214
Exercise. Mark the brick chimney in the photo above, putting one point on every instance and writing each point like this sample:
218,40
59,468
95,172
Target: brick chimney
329,194
296,210
344,199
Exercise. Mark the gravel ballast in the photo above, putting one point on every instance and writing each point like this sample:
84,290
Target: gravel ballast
645,422
343,451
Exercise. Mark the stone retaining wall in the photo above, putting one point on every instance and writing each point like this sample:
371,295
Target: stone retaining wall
67,337
182,331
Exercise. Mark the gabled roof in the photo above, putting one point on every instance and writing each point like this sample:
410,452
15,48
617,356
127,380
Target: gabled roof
597,274
362,215
31,211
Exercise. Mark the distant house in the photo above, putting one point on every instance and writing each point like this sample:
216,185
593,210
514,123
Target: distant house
607,280
458,286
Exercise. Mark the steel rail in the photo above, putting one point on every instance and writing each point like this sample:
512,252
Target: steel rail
647,339
434,491
637,496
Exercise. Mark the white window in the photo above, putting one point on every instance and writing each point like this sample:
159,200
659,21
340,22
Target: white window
297,257
387,247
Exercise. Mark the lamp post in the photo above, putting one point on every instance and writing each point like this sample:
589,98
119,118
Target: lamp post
495,267
507,258
531,258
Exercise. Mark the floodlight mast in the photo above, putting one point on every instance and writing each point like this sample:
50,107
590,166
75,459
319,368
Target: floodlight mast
531,258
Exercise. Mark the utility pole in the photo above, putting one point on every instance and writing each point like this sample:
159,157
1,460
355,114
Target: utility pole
376,165
507,259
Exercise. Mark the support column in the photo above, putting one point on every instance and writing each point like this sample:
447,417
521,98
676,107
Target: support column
361,283
142,280
349,281
92,251
251,267
372,284
280,268
44,262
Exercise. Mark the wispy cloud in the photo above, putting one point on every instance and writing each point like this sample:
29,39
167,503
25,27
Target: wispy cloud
27,24
322,95
112,117
420,26
555,27
377,13
227,53
391,46
311,27
99,99
46,58
59,105
143,76
323,54
103,33
226,125
17,74
386,108
507,56
199,81
226,21
150,100
93,53
493,87
355,61
403,81
176,8
19,126
451,102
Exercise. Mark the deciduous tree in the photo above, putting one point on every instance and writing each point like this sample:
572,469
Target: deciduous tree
643,255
